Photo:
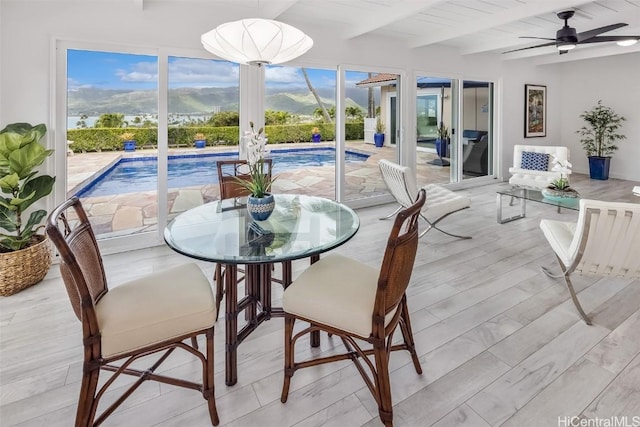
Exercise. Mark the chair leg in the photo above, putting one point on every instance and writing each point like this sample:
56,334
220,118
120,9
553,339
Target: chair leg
433,225
288,356
209,386
218,278
87,403
407,333
383,387
393,213
575,299
572,292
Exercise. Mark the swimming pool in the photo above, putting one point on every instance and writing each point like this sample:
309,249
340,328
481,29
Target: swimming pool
134,175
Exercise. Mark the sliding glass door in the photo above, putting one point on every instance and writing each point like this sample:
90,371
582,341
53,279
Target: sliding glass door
111,139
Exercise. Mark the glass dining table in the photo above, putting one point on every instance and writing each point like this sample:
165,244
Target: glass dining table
223,232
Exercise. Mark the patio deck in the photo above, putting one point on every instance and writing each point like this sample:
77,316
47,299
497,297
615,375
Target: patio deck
130,213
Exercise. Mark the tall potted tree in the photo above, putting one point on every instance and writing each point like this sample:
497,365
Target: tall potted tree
598,138
25,256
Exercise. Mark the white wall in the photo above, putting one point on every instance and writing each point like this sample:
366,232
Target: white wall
614,80
28,31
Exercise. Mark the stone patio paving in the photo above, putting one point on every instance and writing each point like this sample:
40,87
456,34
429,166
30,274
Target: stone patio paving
131,213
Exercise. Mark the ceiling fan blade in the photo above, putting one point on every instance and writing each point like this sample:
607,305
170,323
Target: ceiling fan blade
607,39
538,38
596,31
532,47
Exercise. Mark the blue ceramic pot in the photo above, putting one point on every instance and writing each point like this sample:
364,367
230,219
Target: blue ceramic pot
599,167
378,139
130,145
200,143
316,137
260,208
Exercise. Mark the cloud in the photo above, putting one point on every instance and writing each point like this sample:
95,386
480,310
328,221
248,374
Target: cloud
202,73
73,84
140,72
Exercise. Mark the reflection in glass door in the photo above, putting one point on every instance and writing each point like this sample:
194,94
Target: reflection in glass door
477,135
372,138
434,131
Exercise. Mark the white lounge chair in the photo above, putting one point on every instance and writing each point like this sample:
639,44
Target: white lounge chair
605,241
440,201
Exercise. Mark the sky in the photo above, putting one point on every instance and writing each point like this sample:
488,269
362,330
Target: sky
107,70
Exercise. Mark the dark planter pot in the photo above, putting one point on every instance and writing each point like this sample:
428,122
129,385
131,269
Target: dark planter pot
378,139
130,145
442,147
316,137
599,167
200,143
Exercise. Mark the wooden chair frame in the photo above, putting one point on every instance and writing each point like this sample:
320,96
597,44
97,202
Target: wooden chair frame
393,281
79,253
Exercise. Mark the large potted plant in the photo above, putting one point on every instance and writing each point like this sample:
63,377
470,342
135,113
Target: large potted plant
599,138
25,256
442,141
378,137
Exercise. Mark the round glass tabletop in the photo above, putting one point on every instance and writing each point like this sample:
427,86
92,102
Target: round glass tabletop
300,226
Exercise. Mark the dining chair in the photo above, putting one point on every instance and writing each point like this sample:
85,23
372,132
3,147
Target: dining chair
356,302
441,202
229,172
605,241
150,315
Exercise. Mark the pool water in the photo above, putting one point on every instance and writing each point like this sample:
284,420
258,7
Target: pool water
133,175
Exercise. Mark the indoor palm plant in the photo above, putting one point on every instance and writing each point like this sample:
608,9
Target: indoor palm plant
24,254
599,138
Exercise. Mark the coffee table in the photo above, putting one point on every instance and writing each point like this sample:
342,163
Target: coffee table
524,194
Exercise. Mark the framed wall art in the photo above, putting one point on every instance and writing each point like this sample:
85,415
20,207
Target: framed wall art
535,111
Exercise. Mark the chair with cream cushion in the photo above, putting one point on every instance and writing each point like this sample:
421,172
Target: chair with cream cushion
605,241
531,178
441,202
150,315
357,303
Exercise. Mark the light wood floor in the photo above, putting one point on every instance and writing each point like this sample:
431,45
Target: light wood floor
499,342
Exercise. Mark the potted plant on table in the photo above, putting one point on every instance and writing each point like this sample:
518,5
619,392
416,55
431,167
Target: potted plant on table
598,138
200,140
128,140
378,137
25,256
260,202
559,188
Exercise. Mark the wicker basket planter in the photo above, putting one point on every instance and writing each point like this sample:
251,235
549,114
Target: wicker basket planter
24,268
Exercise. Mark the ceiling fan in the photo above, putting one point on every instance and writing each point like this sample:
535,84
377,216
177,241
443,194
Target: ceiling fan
567,38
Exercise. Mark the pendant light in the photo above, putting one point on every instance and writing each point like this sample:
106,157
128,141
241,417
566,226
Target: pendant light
256,41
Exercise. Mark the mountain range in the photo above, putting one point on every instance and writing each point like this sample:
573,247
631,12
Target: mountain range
93,102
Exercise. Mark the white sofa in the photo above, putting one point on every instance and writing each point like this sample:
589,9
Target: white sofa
533,178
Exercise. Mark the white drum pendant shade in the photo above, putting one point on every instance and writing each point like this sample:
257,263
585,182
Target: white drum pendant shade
256,41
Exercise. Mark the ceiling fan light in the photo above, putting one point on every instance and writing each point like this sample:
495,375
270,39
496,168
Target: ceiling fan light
256,41
628,42
567,46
